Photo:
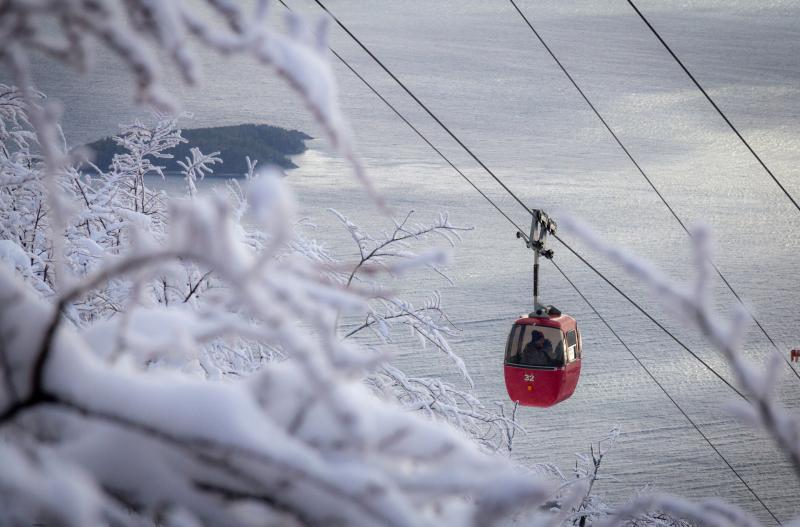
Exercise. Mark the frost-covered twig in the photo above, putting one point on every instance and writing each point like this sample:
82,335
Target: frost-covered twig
428,322
135,32
706,512
392,250
587,470
197,166
393,245
691,302
511,428
206,448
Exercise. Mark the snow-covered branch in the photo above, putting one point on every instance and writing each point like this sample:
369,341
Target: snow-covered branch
392,251
294,431
691,302
196,167
137,32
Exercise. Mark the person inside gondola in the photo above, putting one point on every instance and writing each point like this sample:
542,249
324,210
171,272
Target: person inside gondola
539,351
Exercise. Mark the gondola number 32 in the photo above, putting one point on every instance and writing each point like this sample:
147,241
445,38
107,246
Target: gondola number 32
528,377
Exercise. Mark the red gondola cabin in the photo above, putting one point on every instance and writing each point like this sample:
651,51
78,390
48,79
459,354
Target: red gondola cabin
543,359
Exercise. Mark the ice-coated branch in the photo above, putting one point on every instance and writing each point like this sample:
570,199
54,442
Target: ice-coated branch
429,323
707,512
43,120
691,303
196,166
136,32
587,470
244,442
392,250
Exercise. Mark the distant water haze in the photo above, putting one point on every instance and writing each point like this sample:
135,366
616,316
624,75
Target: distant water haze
481,70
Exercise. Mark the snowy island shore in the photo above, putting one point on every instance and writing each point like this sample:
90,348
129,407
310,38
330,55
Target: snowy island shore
270,145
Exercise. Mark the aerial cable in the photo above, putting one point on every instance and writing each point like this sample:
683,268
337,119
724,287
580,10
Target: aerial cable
422,136
663,389
417,131
649,181
717,108
648,315
596,271
422,105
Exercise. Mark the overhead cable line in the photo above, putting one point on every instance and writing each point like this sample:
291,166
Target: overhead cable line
717,108
649,181
418,132
422,136
422,105
596,271
663,389
648,315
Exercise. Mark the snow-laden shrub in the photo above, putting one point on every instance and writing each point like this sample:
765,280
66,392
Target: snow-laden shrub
103,416
301,439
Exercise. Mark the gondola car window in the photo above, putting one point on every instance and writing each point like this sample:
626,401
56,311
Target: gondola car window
572,345
512,347
572,338
547,349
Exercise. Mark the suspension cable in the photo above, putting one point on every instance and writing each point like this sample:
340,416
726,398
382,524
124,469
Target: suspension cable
427,141
717,108
419,133
586,262
647,178
663,389
648,315
422,105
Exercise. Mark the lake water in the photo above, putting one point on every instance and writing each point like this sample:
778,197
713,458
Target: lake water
480,69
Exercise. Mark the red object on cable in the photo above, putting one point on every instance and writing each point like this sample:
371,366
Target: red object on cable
542,360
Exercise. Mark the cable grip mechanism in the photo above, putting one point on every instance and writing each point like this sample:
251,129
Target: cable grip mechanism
541,225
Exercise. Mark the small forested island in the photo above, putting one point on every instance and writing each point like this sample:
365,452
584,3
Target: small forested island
265,143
